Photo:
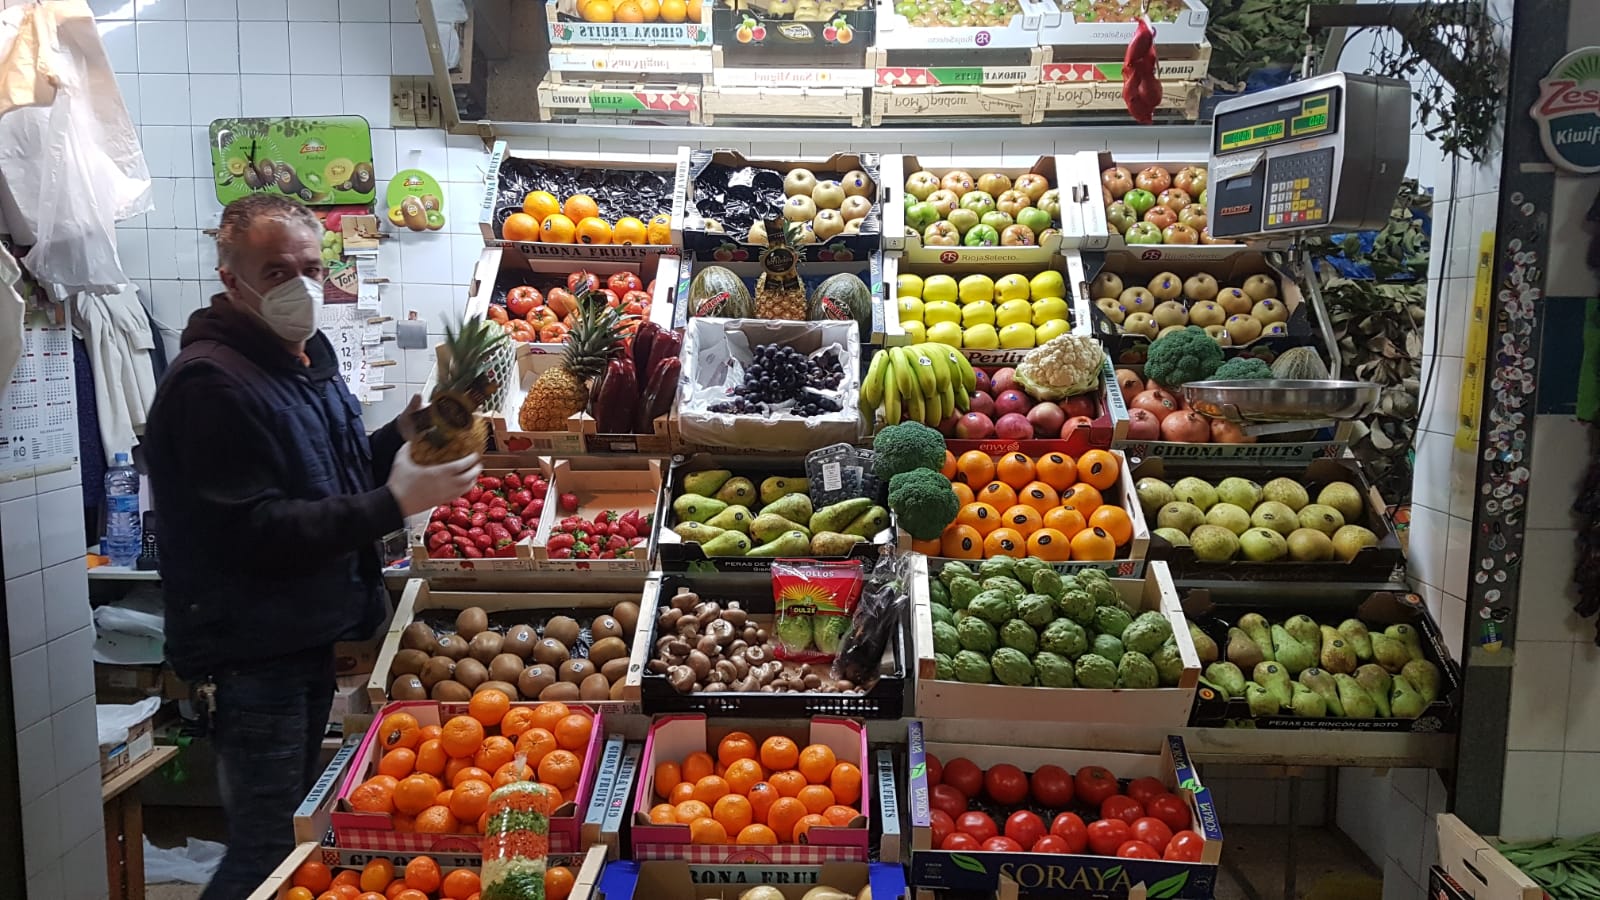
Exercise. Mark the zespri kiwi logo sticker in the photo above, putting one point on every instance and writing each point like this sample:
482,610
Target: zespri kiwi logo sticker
1568,111
415,201
321,162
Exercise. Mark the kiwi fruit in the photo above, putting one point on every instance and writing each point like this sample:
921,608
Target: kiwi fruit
471,673
454,646
551,652
605,627
534,679
519,640
504,687
408,687
563,691
595,687
450,692
485,646
505,667
576,670
408,662
418,636
627,613
563,629
607,649
471,622
437,669
615,669
617,688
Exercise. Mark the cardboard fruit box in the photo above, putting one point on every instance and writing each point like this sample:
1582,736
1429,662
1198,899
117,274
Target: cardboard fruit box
586,867
896,32
1109,425
1476,870
1072,22
1216,608
1082,875
567,27
674,737
749,34
355,829
897,236
1162,706
599,486
813,272
676,880
513,174
424,562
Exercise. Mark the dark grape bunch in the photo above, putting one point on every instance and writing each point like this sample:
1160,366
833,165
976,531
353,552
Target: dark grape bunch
781,374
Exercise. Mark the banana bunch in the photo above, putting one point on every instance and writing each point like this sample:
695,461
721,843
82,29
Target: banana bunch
925,383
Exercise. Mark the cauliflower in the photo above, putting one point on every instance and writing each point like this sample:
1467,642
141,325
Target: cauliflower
1061,367
907,446
1182,357
923,502
1242,368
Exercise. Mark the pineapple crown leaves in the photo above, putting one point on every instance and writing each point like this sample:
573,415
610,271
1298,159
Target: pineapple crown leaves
468,367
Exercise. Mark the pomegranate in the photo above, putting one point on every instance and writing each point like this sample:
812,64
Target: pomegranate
1130,383
1073,424
1157,401
1225,432
1186,427
1012,401
1047,419
1143,425
1013,427
974,426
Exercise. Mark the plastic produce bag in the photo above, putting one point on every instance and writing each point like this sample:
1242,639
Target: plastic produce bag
881,610
813,603
194,863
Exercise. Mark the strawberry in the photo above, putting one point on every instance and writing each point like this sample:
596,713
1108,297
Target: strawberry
497,513
478,519
626,529
474,495
569,502
513,523
561,542
439,539
443,551
489,482
471,552
440,513
434,527
483,541
497,501
460,518
616,542
512,481
563,553
520,498
609,554
457,530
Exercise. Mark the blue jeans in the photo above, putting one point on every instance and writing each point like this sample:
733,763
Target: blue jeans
268,732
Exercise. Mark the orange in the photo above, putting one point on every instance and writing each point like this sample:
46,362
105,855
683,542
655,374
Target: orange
929,547
659,231
689,810
1024,520
845,782
1066,520
661,814
330,895
815,798
683,790
572,732
757,834
817,762
454,768
964,493
371,895
431,732
734,812
489,706
373,797
706,830
737,745
710,789
1058,470
398,887
313,875
1099,468
558,883
468,773
410,894
595,230
561,768
460,884
580,206
1083,498
961,542
299,893
743,774
521,227
470,799
805,824
431,757
377,875
1005,542
443,797
422,874
762,795
546,715
948,470
437,820
693,10
535,743
462,737
1050,545
398,763
840,815
516,721
1114,520
1093,544
998,494
558,229
788,782
673,11
1015,469
1040,496
509,773
981,517
494,752
697,765
976,468
348,878
630,12
398,730
598,11
416,793
783,815
666,778
629,230
540,204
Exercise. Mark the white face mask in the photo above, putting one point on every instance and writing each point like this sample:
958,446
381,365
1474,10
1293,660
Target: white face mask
290,309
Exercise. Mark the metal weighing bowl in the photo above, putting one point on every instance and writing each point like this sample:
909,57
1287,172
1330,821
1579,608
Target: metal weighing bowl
1249,402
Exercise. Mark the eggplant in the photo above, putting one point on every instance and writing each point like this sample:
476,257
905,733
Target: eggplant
658,394
665,345
618,402
643,339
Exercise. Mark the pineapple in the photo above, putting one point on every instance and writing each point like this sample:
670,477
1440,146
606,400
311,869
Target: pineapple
564,388
448,428
779,293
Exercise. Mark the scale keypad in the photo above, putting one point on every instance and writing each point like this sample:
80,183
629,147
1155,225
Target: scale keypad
1299,188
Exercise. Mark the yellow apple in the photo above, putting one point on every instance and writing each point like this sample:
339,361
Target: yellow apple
1012,312
975,288
908,285
946,333
978,313
910,308
1017,336
1047,310
939,287
940,311
1051,329
1011,287
918,334
980,337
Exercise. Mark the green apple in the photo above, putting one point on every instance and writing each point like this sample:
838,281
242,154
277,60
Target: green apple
1144,232
980,337
939,287
1139,200
1011,287
921,214
1012,312
981,236
945,333
941,311
917,333
981,312
979,202
1051,329
1017,336
1048,310
1048,283
976,288
963,219
910,309
908,285
1034,218
997,220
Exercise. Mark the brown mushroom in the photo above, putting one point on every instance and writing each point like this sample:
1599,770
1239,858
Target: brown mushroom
682,679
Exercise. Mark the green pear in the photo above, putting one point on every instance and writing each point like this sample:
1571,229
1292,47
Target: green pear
1424,676
1172,536
734,518
1310,545
706,483
1213,543
1204,646
1229,516
768,527
833,543
1324,519
1305,630
790,543
1409,637
1354,632
1308,704
1337,655
1405,701
837,516
740,491
1227,677
1181,516
796,508
1321,681
1195,491
1344,497
776,487
1377,683
698,532
1242,651
1275,516
1294,655
1240,492
1351,540
728,543
1255,625
1275,679
869,523
1286,491
1356,701
696,508
1153,494
1262,701
1389,652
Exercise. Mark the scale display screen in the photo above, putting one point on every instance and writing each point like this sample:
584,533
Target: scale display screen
1272,123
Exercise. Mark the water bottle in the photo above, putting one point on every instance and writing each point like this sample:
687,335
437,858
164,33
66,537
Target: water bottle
121,540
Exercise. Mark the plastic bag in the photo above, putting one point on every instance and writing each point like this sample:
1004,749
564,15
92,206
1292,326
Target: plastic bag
840,472
881,610
516,841
193,863
813,602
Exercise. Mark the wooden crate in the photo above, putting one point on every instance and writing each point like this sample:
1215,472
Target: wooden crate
847,104
1179,99
729,69
1074,65
577,64
624,101
956,68
1019,103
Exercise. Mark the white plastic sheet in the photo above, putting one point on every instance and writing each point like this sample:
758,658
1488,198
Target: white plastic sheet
112,720
193,863
129,634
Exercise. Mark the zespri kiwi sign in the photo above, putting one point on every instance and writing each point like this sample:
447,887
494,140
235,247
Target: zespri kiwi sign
322,162
1568,111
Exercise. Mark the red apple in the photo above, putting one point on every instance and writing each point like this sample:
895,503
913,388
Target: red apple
1179,233
1079,405
1154,179
982,402
1143,425
1002,380
1013,427
1012,401
1186,427
1047,419
1117,180
974,426
1161,216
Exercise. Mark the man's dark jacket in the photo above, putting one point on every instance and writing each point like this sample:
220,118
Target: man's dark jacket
269,499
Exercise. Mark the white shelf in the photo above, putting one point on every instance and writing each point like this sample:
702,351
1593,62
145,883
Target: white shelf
121,573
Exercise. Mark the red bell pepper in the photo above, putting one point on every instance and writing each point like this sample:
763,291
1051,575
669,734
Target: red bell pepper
1141,90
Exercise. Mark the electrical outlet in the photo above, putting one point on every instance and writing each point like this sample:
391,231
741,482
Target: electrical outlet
413,103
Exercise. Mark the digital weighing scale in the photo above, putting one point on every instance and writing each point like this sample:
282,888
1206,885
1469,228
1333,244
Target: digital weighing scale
1326,152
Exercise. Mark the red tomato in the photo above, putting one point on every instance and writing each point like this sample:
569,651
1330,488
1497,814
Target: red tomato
1142,789
1052,787
942,825
935,771
955,840
1106,835
1051,844
1152,831
977,824
1120,807
1093,784
1071,829
964,775
1185,846
1170,809
1024,827
1006,785
1001,844
1137,850
946,798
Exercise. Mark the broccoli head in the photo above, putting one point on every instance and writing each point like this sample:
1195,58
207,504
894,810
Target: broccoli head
1242,368
924,502
907,446
1182,357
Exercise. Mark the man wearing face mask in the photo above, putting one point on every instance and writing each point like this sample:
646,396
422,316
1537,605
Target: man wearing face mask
271,501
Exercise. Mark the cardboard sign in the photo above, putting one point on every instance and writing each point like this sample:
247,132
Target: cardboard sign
1568,111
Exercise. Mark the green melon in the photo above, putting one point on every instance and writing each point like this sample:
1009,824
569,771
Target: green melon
1299,364
843,298
717,291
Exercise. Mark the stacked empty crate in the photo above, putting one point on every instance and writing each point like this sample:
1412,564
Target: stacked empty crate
791,59
932,60
1084,41
602,65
